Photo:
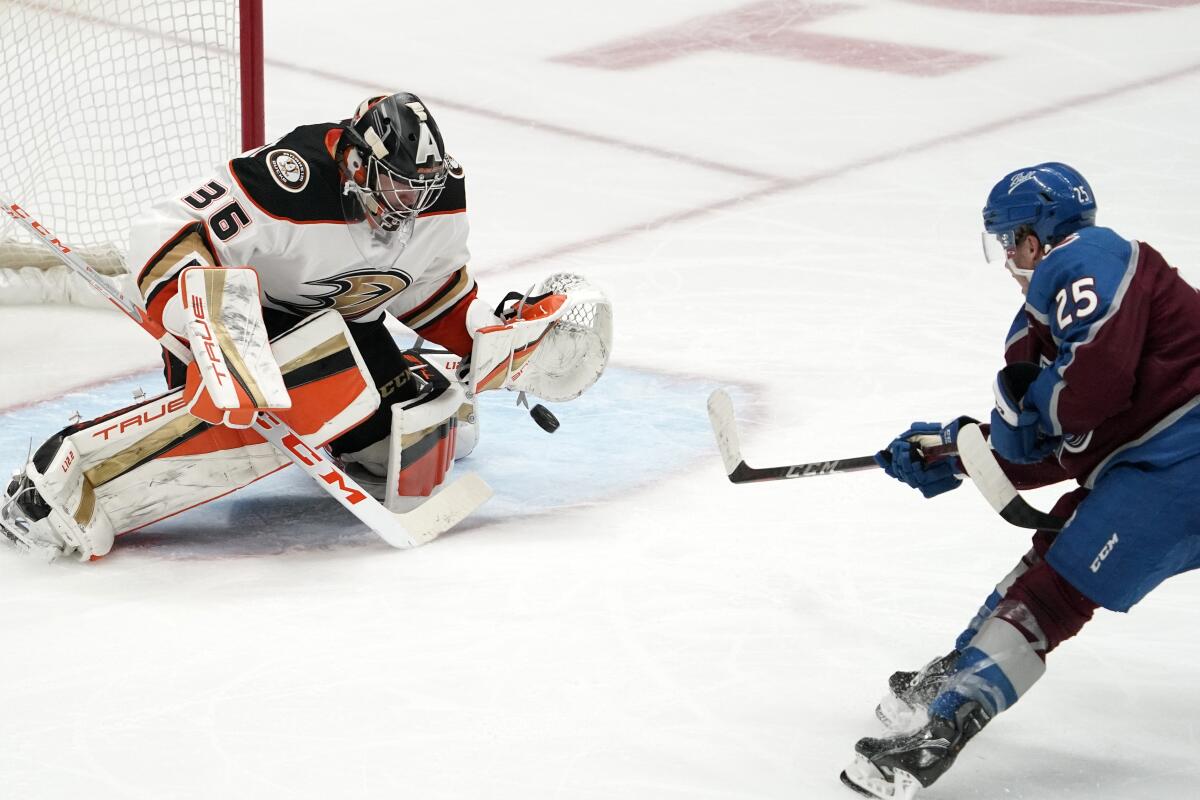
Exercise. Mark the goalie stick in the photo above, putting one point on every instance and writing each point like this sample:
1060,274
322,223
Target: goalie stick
974,451
422,524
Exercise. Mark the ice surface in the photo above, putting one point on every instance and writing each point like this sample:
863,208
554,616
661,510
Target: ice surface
792,218
588,461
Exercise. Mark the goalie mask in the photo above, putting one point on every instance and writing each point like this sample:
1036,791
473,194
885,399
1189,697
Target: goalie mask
394,163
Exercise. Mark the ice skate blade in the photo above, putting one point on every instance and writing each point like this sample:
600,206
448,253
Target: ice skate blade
865,778
852,785
899,716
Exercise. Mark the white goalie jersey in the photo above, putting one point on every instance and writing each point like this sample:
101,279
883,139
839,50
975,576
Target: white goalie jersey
280,210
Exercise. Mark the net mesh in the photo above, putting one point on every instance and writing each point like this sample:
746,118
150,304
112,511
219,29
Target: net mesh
107,105
582,315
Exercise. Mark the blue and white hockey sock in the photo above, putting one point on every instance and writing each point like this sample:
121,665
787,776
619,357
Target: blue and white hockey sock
993,600
999,665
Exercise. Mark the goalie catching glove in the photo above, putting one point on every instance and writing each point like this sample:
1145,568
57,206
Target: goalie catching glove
552,342
234,375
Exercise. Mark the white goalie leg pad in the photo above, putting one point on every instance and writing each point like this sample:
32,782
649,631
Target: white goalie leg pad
555,349
153,460
429,432
439,367
73,524
435,371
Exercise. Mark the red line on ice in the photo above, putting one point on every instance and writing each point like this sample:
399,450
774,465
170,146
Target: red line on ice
772,28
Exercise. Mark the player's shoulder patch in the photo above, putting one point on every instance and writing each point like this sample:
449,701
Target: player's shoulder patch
289,169
293,178
453,198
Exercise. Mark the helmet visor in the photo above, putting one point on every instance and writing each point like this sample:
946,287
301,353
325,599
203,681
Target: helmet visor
1002,245
998,247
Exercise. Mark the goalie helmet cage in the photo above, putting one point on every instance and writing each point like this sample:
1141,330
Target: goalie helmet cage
107,105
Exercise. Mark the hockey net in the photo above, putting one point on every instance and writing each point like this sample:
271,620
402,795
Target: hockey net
108,104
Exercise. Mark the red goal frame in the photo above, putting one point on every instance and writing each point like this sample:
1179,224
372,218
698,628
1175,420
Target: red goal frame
250,21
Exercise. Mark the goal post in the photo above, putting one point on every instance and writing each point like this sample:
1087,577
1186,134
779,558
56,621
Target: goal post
109,104
250,54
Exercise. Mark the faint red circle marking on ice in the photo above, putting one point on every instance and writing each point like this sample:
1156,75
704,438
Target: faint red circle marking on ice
1058,7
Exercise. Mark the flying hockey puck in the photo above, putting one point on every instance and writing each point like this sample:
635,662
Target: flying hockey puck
544,417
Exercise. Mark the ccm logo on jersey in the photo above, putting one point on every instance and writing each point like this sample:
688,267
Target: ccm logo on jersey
142,417
288,169
1104,551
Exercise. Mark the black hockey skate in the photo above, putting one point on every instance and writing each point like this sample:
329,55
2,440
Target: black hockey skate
906,707
895,767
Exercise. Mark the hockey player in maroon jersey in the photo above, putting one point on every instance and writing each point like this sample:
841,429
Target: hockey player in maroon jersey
305,247
1102,387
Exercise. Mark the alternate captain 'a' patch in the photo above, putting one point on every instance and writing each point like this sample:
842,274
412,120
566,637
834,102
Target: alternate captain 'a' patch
354,294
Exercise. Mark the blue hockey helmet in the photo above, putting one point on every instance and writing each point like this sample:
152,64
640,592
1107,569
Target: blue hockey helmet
1050,200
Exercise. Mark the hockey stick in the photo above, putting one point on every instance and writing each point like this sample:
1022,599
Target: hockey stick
973,449
720,414
422,524
995,486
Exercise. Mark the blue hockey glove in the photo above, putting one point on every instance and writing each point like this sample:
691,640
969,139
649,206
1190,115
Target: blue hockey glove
1015,434
902,458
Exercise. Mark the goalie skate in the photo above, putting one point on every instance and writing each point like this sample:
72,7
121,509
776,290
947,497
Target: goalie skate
25,520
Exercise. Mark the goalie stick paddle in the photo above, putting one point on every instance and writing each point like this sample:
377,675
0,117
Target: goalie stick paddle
720,414
422,524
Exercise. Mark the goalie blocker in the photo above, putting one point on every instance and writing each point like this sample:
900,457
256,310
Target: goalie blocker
233,374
